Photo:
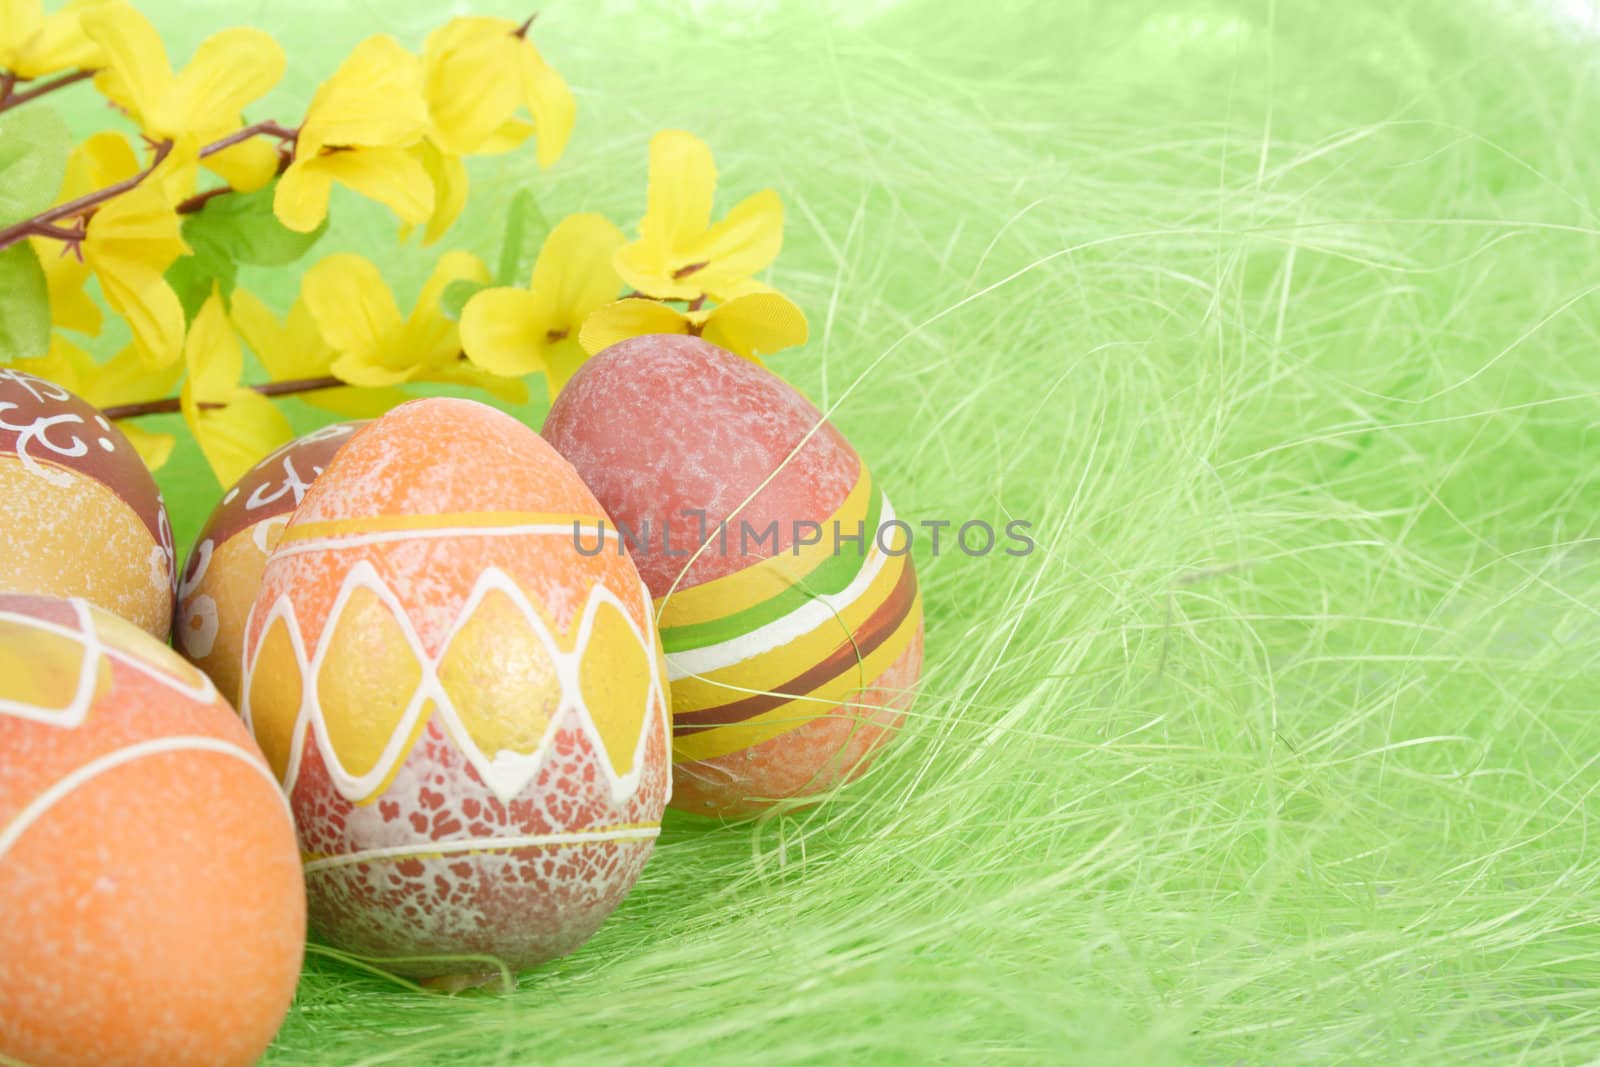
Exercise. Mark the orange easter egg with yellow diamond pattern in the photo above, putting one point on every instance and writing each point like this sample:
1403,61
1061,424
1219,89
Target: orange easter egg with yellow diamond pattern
467,710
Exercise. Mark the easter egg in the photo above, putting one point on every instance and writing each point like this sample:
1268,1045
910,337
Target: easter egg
79,513
784,589
468,714
223,572
149,879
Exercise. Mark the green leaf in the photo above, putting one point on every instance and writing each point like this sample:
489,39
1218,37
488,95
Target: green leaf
34,143
526,229
191,277
24,305
456,295
242,227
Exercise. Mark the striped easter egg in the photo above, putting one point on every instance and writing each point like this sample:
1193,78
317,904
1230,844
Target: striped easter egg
783,584
468,714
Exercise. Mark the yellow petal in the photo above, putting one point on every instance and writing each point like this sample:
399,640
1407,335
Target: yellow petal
756,325
63,363
54,43
235,438
125,379
154,448
369,370
229,71
561,362
139,76
429,337
633,317
301,199
453,266
356,403
130,244
177,174
510,134
551,104
212,354
21,20
575,273
351,306
71,308
294,349
247,166
449,177
102,159
468,80
503,331
683,179
391,176
283,355
374,99
742,244
506,390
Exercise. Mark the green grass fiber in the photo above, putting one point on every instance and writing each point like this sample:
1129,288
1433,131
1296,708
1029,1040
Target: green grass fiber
1279,323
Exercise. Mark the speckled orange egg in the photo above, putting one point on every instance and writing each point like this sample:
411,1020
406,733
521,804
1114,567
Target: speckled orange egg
149,882
467,712
79,513
784,586
223,572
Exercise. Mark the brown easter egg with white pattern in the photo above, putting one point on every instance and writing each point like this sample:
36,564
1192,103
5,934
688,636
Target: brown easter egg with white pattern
467,712
79,513
223,573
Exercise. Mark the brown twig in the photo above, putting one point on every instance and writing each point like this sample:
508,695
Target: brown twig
244,133
199,200
10,98
170,404
89,201
13,234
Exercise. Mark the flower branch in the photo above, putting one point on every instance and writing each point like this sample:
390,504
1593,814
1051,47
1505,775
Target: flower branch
10,98
90,201
171,405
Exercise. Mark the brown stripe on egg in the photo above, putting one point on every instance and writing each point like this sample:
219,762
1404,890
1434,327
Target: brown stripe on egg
874,632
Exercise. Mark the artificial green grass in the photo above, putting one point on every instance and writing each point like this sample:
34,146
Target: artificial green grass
1278,322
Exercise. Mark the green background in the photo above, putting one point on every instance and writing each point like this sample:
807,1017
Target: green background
1278,322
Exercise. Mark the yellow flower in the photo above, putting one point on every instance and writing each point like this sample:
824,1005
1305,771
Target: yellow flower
234,426
131,242
752,325
680,255
103,159
477,72
357,132
204,101
294,349
33,44
513,332
357,316
123,380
